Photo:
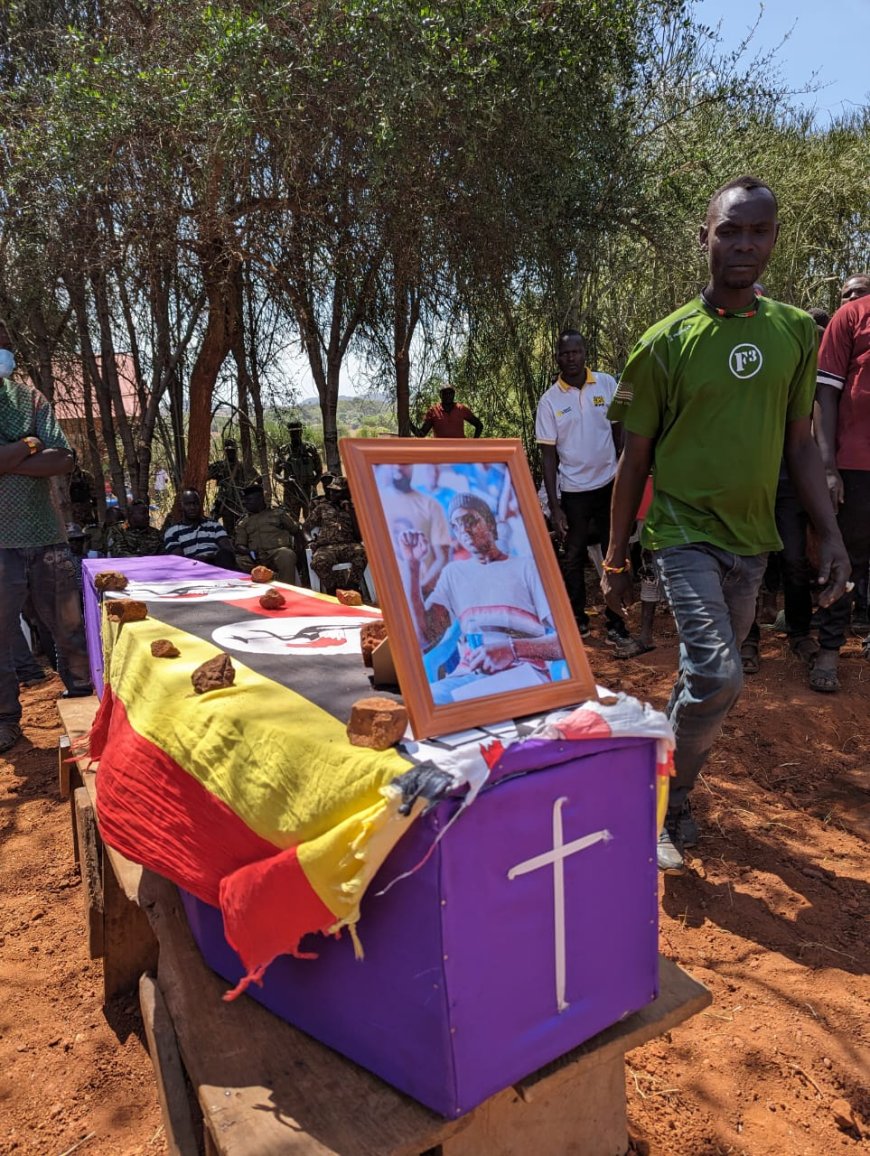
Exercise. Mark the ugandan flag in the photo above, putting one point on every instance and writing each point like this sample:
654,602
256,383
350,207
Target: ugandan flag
250,797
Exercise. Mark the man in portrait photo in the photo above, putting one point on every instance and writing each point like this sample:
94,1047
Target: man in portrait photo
406,508
486,627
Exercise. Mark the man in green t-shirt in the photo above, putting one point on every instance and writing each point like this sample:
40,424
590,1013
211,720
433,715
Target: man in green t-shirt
708,399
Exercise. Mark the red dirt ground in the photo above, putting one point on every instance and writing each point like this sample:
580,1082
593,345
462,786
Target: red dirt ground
773,916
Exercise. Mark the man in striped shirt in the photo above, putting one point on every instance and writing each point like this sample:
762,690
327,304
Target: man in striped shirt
196,536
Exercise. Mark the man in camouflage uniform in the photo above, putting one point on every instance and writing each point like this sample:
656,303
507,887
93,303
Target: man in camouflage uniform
336,540
264,537
298,466
82,494
231,477
137,538
97,533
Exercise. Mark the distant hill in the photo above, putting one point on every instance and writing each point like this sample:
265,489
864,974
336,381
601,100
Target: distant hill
381,398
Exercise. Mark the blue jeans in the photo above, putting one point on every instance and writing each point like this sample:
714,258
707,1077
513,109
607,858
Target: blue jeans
712,595
48,573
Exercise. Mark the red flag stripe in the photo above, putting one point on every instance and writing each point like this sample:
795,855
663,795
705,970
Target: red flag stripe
151,810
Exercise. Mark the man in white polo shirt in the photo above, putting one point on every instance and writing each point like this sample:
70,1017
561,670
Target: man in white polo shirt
578,446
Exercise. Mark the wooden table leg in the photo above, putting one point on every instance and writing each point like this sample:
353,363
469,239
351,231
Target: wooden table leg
129,946
88,844
178,1124
583,1113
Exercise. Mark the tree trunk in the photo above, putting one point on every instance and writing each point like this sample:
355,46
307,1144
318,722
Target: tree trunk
220,332
109,373
76,289
406,314
263,462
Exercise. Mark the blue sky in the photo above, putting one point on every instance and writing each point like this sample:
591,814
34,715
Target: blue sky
830,36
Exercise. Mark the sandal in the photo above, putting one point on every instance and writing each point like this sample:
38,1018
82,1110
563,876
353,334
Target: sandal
805,648
749,657
824,679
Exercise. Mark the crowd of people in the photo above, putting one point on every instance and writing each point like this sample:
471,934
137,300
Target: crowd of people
737,438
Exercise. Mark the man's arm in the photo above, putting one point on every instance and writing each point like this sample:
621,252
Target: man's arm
440,556
631,475
827,410
241,542
492,657
12,456
430,624
807,474
550,462
45,464
474,421
170,545
421,431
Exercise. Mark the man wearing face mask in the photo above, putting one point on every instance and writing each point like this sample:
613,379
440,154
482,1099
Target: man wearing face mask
35,557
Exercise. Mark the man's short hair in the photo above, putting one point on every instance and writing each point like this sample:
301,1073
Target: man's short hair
470,502
566,333
292,425
253,488
138,502
74,530
748,183
230,442
821,316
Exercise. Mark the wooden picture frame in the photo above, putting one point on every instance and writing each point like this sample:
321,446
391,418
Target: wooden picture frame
463,661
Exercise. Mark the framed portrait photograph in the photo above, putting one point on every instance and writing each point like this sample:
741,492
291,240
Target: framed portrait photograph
477,616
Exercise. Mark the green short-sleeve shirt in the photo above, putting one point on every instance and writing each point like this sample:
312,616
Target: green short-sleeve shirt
716,394
29,515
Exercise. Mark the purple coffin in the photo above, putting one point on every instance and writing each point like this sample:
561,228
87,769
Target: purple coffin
165,568
458,994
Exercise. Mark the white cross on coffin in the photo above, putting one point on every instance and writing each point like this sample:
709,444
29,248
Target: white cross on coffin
560,852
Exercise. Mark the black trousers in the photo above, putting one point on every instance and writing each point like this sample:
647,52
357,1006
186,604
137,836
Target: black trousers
582,510
795,572
854,520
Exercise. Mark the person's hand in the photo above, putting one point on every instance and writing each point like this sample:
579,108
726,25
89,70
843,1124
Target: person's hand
491,657
835,568
618,591
835,487
414,546
559,522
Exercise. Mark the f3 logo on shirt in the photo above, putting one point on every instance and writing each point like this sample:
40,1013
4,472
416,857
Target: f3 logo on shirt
745,360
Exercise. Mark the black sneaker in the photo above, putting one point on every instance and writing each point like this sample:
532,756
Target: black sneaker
668,855
685,826
617,634
10,733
